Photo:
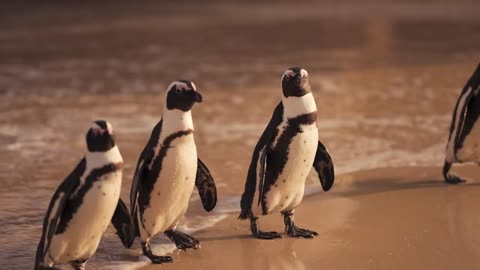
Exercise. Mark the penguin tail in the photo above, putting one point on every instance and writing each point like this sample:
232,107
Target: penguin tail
123,223
40,254
246,207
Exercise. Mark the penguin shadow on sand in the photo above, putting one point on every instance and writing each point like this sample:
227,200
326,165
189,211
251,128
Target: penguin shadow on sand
372,186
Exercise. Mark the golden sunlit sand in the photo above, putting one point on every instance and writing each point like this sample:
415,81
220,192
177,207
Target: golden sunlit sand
398,218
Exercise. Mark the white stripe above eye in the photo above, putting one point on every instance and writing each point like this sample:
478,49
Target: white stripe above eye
303,73
95,126
178,85
109,128
289,73
194,86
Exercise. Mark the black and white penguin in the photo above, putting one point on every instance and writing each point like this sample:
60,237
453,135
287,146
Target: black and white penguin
283,157
166,173
464,139
84,204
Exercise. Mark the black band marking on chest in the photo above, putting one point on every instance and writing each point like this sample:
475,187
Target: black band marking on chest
74,203
277,156
152,175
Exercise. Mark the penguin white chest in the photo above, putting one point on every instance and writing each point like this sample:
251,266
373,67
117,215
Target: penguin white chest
287,191
172,191
89,222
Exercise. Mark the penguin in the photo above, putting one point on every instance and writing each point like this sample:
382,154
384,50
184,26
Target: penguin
464,139
166,173
283,157
84,204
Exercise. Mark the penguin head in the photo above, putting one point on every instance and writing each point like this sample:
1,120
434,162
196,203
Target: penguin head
182,95
295,82
100,136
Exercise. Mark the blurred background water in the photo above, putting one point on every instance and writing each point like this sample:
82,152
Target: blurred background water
385,74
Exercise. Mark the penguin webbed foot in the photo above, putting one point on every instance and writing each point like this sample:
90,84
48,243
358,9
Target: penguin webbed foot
160,259
293,231
450,178
261,234
182,240
266,235
147,251
453,179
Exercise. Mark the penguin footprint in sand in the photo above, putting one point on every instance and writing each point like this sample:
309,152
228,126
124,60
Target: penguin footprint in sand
464,140
84,204
166,173
283,157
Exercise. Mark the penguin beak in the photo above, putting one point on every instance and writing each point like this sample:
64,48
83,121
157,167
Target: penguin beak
197,97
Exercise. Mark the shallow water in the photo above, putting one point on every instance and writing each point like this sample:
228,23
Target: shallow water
385,78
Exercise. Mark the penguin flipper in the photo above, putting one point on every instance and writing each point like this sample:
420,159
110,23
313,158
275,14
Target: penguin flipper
123,223
259,157
323,164
143,161
55,210
206,187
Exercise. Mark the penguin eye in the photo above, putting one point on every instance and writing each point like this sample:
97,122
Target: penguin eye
178,91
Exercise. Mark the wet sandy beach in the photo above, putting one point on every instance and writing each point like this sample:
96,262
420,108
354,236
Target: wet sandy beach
385,221
385,77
